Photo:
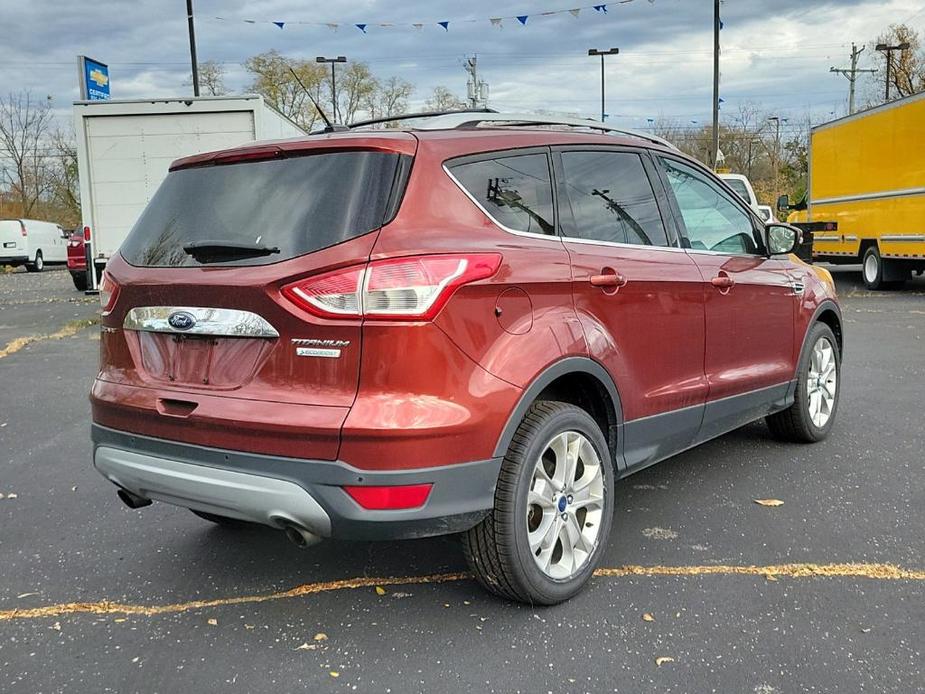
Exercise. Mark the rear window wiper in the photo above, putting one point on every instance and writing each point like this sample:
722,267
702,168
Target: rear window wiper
221,251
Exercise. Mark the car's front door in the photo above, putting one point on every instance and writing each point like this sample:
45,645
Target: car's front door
637,294
749,299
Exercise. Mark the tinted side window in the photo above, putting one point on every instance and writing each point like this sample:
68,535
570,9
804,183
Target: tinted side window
515,190
712,220
611,199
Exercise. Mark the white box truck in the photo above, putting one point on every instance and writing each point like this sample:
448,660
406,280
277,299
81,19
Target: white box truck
124,148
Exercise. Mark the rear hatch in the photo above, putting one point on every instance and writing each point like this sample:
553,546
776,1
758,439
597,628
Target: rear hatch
12,238
200,343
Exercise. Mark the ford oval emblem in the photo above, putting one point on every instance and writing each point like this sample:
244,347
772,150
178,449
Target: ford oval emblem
181,320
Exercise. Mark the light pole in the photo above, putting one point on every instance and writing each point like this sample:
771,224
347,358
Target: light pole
884,48
777,121
602,53
338,59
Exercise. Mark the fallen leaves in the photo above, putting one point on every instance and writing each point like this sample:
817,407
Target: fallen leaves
662,659
11,495
334,673
212,621
647,617
769,502
321,636
306,646
380,590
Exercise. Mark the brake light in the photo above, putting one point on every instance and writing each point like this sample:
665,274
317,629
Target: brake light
390,498
109,292
86,233
22,229
413,288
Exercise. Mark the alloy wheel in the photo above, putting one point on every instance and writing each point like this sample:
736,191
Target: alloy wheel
565,505
822,382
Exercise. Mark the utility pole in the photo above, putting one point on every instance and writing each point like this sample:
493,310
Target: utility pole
476,91
716,24
192,46
338,59
851,74
884,48
602,53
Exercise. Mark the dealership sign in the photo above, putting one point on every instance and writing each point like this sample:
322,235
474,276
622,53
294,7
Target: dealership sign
94,79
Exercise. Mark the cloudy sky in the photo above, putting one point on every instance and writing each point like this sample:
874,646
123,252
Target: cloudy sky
775,52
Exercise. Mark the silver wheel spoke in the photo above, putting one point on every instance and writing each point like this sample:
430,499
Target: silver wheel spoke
565,509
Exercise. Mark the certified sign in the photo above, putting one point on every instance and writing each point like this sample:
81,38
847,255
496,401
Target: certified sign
94,79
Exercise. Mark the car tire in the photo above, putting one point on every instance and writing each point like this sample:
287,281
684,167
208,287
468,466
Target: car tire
223,521
507,550
38,264
80,281
872,271
810,417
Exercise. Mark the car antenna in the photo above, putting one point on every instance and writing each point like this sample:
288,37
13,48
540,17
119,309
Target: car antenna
329,127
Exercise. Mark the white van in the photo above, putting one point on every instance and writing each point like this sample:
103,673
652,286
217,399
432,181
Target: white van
742,187
31,243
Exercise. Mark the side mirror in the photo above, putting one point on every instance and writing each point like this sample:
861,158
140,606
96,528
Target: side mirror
782,238
783,202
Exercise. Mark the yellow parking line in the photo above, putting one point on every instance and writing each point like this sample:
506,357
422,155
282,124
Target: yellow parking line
886,572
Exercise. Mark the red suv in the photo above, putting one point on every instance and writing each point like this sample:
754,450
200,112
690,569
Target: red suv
473,326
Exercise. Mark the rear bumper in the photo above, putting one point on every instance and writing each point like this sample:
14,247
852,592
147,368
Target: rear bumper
276,490
13,259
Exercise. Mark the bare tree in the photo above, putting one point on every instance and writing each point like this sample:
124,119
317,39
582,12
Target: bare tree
212,78
356,88
64,188
24,126
907,69
275,82
443,99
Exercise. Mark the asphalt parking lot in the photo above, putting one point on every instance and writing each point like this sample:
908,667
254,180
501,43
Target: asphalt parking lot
824,593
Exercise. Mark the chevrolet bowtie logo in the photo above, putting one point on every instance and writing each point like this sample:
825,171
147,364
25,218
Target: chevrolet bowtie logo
98,76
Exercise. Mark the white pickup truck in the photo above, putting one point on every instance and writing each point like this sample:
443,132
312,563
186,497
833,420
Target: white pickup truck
742,187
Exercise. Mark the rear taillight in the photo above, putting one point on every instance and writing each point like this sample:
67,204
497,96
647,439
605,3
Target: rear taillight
109,292
414,288
22,229
390,498
86,234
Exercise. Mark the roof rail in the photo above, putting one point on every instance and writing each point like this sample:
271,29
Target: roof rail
424,114
463,119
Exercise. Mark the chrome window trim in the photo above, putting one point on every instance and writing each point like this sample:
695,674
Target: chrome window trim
215,322
620,244
516,232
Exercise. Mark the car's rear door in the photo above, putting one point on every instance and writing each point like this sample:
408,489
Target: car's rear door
748,298
637,294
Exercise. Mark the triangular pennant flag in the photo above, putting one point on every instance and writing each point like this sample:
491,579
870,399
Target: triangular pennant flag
547,14
418,26
445,25
361,27
721,24
601,8
522,18
251,21
496,21
331,26
575,12
280,24
385,24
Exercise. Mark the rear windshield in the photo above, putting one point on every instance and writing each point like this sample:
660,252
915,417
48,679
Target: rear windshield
297,205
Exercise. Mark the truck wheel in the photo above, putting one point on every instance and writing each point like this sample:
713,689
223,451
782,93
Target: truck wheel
38,264
874,271
810,417
80,281
553,509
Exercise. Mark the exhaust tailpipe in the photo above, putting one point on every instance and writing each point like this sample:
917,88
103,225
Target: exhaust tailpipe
300,537
132,500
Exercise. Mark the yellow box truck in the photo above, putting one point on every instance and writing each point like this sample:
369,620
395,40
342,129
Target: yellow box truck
866,192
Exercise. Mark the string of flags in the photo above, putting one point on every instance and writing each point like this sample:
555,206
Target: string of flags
496,22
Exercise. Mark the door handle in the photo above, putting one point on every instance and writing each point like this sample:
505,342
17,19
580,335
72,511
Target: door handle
722,282
609,280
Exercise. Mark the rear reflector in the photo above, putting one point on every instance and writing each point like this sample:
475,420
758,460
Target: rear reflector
390,498
109,292
412,288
